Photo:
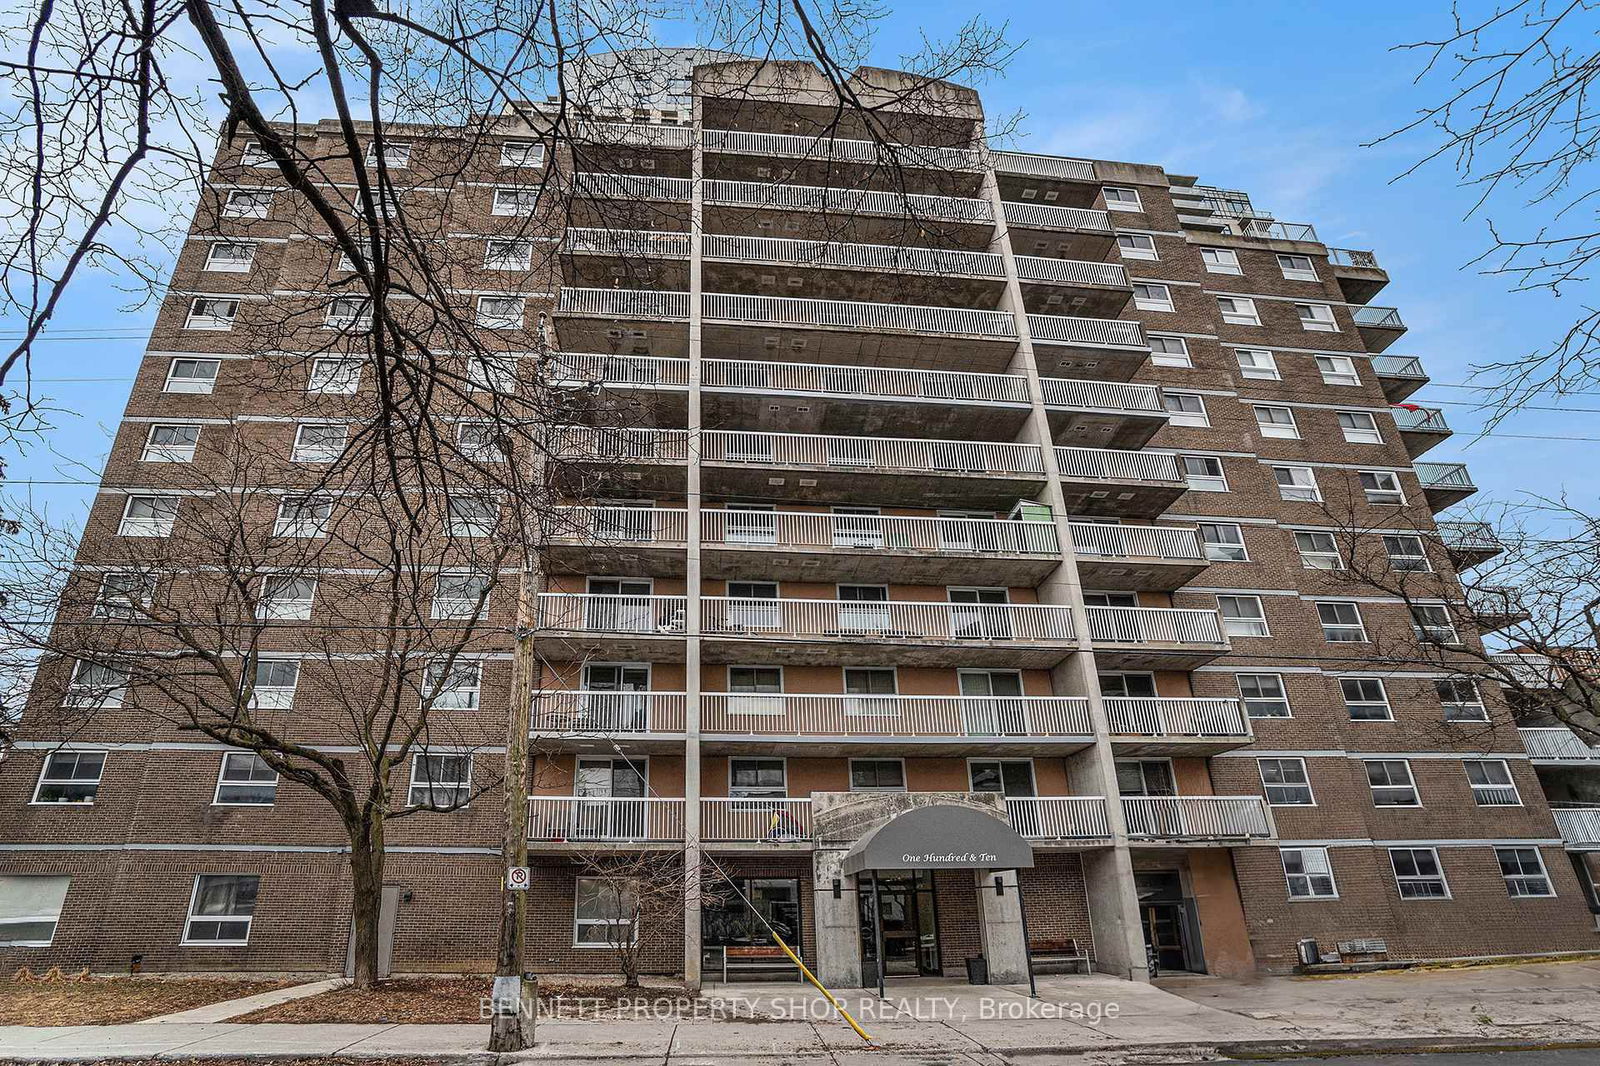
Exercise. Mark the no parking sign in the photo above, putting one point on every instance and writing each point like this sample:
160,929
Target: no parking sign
517,878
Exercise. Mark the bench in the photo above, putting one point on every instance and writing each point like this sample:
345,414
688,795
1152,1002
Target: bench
754,959
1059,951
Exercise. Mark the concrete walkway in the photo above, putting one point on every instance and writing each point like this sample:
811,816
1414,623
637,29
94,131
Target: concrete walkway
234,1008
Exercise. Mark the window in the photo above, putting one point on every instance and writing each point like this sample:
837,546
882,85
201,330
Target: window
245,781
247,204
302,516
460,596
1122,198
1460,699
1256,364
477,442
318,442
1264,695
1149,296
1338,370
439,780
230,257
70,777
605,912
1365,699
1391,783
1185,408
1285,782
212,312
1417,873
1433,624
501,312
1169,351
96,685
286,598
1223,542
1316,317
521,154
1273,421
1381,486
1318,551
192,375
342,376
1309,873
148,516
1491,783
396,155
508,255
254,155
1203,473
1139,686
757,778
1523,869
1242,616
514,201
1359,427
1220,260
1406,552
1296,483
1297,267
1341,622
30,906
275,683
877,775
1238,310
472,516
1137,246
170,444
452,686
493,373
221,909
349,312
124,595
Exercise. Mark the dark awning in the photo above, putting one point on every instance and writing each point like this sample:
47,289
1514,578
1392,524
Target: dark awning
940,837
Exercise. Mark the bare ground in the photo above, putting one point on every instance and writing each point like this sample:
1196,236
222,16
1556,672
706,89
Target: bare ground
451,1000
110,1000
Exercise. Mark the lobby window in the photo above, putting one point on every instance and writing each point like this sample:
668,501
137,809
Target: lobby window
1341,622
221,909
70,777
1286,782
1392,784
1523,869
877,775
605,912
1264,695
1242,616
30,907
1318,550
1365,699
1309,873
1417,873
1223,542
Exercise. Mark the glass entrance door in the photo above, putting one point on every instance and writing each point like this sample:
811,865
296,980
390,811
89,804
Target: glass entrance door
910,925
1164,913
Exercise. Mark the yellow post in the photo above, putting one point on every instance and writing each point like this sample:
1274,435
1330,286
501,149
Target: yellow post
862,1033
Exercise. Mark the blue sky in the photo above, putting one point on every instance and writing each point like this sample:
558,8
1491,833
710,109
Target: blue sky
1272,98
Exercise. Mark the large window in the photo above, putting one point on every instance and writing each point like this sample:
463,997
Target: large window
452,686
728,922
30,906
286,598
1223,542
1417,873
1273,420
1264,695
605,912
1491,783
1365,699
1318,550
1460,699
1523,869
1341,622
1242,616
1169,351
70,777
877,775
1309,873
221,909
439,780
1297,484
1285,782
757,778
1203,473
245,781
1392,785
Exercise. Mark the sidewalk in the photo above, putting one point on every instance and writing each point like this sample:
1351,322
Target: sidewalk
1552,1002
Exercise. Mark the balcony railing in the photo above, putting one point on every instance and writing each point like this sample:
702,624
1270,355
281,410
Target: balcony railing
605,713
642,134
582,368
1496,601
1444,476
847,314
1469,536
1420,419
856,532
846,201
875,454
1104,464
1399,366
1052,216
1059,817
1088,332
1175,716
1101,395
606,444
1175,543
796,619
643,244
597,612
907,258
1197,817
838,149
1277,231
1042,166
787,714
604,820
632,187
1351,257
1154,625
1557,744
619,525
1382,317
1071,272
623,303
1579,826
752,820
839,379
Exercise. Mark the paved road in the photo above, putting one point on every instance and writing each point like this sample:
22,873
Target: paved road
1567,1057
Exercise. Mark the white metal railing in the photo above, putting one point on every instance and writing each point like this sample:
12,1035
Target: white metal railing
619,525
1578,825
1557,742
1112,395
830,715
1469,535
598,612
1178,543
1053,216
754,820
877,454
647,244
604,713
849,314
1197,817
584,368
908,258
846,201
608,444
1352,257
1175,716
858,532
838,149
1399,366
1042,166
632,187
841,379
641,134
1154,625
1090,332
1024,623
1444,476
604,819
1278,231
1386,317
623,303
1059,817
1071,271
1427,419
1105,464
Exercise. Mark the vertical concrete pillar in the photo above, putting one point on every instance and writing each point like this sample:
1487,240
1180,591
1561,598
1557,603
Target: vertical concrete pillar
692,853
838,922
1005,943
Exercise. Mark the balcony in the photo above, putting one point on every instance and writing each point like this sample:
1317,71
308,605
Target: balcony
1108,413
618,539
944,275
910,206
1154,638
583,369
1496,608
584,721
1267,229
910,633
579,625
1103,287
1225,820
1420,427
575,823
1400,375
1444,484
1558,746
1059,819
768,823
855,548
1114,556
1071,232
1470,543
890,470
1579,827
1109,482
1379,326
830,724
1168,726
1358,273
647,459
1029,165
839,150
636,136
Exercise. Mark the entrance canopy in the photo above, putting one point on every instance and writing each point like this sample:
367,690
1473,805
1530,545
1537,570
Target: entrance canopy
941,836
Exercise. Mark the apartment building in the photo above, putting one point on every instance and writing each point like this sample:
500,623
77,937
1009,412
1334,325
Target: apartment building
964,573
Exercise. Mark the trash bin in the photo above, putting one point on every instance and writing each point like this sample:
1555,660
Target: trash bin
978,971
1310,955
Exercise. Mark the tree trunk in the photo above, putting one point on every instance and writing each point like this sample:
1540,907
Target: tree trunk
366,880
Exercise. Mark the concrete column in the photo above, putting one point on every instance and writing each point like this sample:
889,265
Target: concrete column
1005,944
692,853
838,922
